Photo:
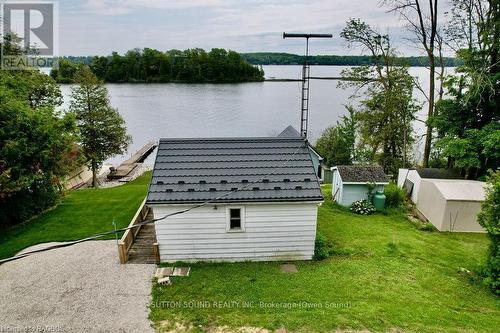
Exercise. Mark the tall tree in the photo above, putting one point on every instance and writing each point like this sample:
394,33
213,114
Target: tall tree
422,20
35,141
337,143
102,129
474,33
387,106
467,117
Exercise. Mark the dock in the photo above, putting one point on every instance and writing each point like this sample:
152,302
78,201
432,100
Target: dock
128,166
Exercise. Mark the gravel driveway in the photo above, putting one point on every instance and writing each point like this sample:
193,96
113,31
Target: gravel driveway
75,289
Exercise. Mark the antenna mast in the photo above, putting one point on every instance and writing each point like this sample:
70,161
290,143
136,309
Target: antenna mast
306,70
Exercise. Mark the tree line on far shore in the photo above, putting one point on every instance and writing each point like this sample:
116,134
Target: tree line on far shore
275,58
279,58
153,66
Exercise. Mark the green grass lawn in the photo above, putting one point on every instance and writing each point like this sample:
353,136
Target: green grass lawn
387,275
81,213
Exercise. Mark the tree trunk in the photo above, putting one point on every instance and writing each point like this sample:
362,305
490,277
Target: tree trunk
492,109
449,163
94,175
430,111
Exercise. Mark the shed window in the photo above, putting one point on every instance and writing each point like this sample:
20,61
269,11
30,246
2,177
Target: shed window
235,219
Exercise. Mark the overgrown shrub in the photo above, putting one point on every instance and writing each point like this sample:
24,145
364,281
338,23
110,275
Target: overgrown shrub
371,191
362,207
394,196
36,144
489,218
24,204
323,248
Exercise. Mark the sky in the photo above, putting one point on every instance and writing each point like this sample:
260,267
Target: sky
98,27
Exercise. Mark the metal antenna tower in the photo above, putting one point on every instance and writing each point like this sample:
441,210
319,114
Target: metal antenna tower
306,71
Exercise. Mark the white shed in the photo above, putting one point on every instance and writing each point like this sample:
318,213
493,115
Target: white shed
451,205
259,199
350,182
410,179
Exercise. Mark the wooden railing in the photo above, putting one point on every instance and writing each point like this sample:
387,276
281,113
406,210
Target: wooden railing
128,237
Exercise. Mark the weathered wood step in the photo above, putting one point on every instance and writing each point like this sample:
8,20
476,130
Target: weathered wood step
142,250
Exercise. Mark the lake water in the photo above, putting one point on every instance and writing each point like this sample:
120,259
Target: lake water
152,111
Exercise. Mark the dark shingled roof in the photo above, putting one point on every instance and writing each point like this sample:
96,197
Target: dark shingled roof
362,174
438,173
289,132
197,170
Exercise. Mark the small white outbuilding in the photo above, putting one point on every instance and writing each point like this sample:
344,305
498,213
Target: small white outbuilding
234,199
451,205
350,182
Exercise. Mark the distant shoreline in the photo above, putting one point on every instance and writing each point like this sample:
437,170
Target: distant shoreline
289,59
274,58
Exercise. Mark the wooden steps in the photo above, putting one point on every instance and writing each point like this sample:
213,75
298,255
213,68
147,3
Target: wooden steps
142,250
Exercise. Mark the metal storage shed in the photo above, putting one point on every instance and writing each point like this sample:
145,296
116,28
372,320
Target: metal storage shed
451,205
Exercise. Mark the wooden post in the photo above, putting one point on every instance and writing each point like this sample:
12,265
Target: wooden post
156,252
122,252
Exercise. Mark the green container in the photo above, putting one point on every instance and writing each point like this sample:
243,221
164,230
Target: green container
379,200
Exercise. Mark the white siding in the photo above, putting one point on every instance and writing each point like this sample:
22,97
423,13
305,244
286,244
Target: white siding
461,216
414,177
355,192
336,186
402,174
431,204
346,193
281,231
316,161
